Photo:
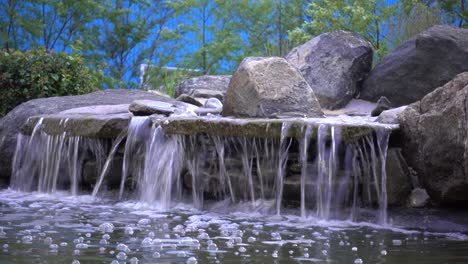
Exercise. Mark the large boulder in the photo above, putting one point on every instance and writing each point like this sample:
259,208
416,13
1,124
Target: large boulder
11,123
334,64
435,136
418,66
269,87
205,86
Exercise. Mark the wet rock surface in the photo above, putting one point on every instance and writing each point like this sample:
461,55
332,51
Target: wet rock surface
334,64
435,136
11,123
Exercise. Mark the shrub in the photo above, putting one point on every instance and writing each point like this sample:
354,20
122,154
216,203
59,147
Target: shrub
39,73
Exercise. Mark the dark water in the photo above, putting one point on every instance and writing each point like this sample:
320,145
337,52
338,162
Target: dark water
39,228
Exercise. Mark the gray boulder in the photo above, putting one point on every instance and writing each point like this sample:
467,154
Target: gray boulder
390,116
418,198
435,136
205,86
334,64
11,123
382,104
419,65
269,87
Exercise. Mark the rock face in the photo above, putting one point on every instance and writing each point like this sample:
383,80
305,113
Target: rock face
269,87
10,124
419,65
435,132
334,64
204,86
382,104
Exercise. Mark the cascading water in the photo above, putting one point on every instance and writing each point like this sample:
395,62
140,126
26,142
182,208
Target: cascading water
47,163
336,178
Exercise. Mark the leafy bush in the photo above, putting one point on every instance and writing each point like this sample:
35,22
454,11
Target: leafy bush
39,73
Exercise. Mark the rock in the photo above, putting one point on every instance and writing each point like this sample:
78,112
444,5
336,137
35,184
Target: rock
11,123
87,125
435,135
334,64
189,99
267,87
419,65
204,93
98,110
390,116
215,83
207,111
382,104
355,107
398,178
418,198
213,103
149,107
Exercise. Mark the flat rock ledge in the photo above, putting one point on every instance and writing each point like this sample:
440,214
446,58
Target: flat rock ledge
110,126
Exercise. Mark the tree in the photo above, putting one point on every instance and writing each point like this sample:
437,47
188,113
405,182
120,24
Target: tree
366,17
413,17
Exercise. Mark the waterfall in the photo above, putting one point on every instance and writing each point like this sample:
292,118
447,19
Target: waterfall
328,177
48,163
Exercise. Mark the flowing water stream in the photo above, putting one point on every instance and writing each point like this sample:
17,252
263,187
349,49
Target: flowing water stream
213,199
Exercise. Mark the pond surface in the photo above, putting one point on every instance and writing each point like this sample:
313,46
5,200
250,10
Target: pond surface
59,228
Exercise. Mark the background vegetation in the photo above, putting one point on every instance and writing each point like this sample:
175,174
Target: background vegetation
113,37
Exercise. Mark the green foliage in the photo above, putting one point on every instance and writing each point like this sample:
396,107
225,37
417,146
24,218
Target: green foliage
38,73
166,79
413,17
366,17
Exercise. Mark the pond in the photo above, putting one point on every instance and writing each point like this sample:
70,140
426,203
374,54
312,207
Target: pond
61,228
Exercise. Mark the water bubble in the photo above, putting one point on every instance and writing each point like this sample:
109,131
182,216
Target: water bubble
76,252
144,222
121,256
156,255
192,260
324,252
181,254
122,247
5,246
242,249
134,260
383,252
112,252
341,243
147,241
290,252
88,235
212,246
75,261
354,248
129,231
151,234
106,236
103,242
203,236
251,239
306,255
275,254
102,250
115,262
81,246
63,244
358,261
106,228
397,242
53,247
229,244
27,239
275,236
